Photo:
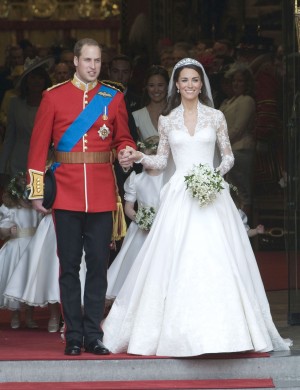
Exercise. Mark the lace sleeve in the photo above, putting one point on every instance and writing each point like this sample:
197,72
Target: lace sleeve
159,161
227,159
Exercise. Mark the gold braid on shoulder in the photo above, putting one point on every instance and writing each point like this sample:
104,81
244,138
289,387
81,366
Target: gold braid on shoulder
113,84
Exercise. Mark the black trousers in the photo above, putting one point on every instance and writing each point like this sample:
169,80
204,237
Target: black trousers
91,232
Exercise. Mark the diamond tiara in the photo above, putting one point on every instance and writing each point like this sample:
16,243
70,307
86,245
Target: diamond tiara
187,61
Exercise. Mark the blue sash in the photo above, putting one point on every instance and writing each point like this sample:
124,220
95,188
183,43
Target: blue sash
86,119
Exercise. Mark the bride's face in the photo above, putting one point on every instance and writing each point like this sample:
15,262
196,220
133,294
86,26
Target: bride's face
189,84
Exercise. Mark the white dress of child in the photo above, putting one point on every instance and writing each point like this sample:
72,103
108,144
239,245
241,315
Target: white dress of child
35,280
144,189
27,221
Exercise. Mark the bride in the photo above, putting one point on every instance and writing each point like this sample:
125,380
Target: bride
195,287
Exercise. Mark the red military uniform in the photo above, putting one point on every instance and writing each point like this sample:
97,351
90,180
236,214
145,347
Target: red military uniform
80,187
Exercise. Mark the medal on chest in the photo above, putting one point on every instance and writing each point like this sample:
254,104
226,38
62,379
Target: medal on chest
103,132
104,115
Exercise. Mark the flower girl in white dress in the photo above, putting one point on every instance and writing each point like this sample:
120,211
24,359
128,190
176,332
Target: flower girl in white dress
18,223
143,188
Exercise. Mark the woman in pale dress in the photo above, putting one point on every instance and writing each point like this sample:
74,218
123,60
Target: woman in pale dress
154,101
143,188
239,112
194,287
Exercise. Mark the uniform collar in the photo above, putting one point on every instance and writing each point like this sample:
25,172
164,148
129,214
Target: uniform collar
83,86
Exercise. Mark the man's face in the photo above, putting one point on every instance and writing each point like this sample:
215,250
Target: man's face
16,57
68,58
120,71
61,72
88,64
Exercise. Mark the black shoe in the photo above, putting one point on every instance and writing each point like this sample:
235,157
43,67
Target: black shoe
97,347
73,348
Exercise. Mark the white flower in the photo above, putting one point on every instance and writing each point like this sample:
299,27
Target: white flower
145,217
204,184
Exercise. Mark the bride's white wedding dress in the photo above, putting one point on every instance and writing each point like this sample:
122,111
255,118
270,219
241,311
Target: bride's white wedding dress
194,287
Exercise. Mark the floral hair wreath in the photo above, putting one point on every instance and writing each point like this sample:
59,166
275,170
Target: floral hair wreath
16,188
151,143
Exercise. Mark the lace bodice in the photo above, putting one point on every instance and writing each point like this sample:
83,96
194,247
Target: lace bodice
189,150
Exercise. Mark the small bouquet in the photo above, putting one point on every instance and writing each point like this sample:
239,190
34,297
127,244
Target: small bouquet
145,217
204,183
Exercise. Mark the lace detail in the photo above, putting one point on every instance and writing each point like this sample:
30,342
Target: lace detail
211,128
224,146
164,305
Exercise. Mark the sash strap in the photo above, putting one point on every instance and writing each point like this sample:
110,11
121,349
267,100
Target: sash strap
24,232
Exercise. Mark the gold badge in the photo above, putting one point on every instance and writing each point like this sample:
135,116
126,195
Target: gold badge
103,132
105,116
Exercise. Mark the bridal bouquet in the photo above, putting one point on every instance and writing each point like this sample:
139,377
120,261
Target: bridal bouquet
204,183
145,217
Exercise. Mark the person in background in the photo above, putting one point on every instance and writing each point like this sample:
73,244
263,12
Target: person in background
15,74
67,56
21,115
85,120
105,62
223,47
166,59
61,73
239,111
15,58
120,71
154,101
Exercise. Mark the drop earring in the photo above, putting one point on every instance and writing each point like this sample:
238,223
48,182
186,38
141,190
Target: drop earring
177,90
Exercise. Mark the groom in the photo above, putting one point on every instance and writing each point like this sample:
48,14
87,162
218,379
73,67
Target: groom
85,120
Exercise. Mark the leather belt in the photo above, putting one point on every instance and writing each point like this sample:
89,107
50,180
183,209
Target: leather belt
83,157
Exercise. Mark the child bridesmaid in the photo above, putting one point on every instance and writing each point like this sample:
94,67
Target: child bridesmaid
18,223
143,188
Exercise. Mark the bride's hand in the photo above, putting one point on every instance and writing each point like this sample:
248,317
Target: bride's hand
128,156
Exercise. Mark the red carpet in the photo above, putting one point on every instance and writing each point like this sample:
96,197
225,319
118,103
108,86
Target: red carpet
38,344
144,385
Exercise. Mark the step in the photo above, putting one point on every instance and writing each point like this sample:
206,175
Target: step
282,367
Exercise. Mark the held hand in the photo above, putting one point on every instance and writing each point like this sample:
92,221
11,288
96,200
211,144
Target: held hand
37,204
128,156
260,229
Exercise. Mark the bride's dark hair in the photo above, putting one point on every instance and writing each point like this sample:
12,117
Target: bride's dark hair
174,98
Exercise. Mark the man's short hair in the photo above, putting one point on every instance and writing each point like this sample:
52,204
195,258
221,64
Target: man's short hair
84,41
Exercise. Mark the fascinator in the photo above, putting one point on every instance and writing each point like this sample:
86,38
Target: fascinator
190,61
149,145
32,64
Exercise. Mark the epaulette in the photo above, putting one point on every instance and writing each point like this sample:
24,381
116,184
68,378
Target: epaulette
113,84
57,85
